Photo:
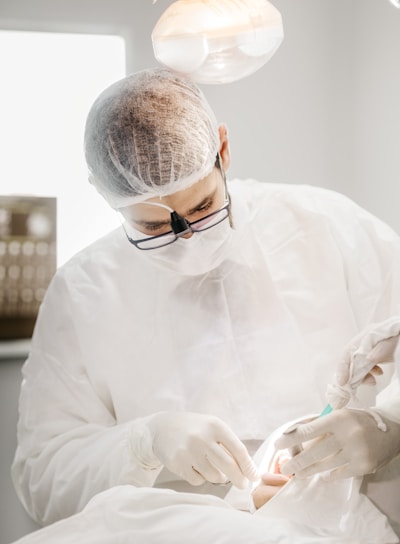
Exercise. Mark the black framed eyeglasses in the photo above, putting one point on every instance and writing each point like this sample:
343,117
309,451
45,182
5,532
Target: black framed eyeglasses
181,227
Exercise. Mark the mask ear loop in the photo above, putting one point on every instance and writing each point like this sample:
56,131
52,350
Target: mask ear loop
159,205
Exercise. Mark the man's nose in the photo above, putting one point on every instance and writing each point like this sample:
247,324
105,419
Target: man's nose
188,235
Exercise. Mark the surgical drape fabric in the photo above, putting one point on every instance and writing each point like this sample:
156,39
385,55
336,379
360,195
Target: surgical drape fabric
127,515
254,341
301,513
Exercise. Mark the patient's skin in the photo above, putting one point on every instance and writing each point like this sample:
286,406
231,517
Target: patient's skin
271,482
269,486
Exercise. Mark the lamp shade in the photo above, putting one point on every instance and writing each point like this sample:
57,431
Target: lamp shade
217,41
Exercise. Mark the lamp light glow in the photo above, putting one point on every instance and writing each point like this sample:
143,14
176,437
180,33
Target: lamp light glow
217,41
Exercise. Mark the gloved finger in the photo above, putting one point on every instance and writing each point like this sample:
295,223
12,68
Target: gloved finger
342,373
383,351
209,471
191,475
311,460
296,435
238,451
248,467
333,463
225,463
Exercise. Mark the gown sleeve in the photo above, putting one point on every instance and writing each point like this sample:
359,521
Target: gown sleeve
70,446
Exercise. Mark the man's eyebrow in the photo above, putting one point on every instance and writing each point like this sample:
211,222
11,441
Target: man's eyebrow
202,203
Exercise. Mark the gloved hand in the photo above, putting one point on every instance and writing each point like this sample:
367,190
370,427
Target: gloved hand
196,447
375,345
346,442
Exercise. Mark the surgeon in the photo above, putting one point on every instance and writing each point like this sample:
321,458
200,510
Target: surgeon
215,313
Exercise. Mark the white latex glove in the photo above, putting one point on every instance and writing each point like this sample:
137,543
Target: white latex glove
346,442
196,447
375,345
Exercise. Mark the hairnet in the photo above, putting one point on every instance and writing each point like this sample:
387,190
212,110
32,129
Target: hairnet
150,134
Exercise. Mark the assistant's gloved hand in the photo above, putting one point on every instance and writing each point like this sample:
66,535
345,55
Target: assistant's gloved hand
196,447
373,346
346,442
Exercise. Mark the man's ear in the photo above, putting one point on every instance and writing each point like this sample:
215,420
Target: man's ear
224,149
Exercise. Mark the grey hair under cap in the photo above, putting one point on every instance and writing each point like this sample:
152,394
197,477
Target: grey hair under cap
150,134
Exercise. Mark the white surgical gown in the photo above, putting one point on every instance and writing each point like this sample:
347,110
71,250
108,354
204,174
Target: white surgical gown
254,341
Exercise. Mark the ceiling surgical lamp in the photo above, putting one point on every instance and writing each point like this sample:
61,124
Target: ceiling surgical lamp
217,41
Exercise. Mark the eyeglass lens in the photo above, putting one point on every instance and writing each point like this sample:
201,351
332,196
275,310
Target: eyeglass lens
197,226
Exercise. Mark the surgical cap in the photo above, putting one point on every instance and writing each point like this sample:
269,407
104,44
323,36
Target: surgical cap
150,134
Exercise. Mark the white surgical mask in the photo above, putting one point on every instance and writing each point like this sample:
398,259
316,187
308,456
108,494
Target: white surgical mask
199,254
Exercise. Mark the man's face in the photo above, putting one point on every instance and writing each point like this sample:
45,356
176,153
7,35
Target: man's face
202,198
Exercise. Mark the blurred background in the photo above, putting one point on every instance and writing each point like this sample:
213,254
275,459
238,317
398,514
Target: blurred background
323,111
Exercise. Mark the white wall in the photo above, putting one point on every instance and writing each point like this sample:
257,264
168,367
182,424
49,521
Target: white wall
376,184
325,110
